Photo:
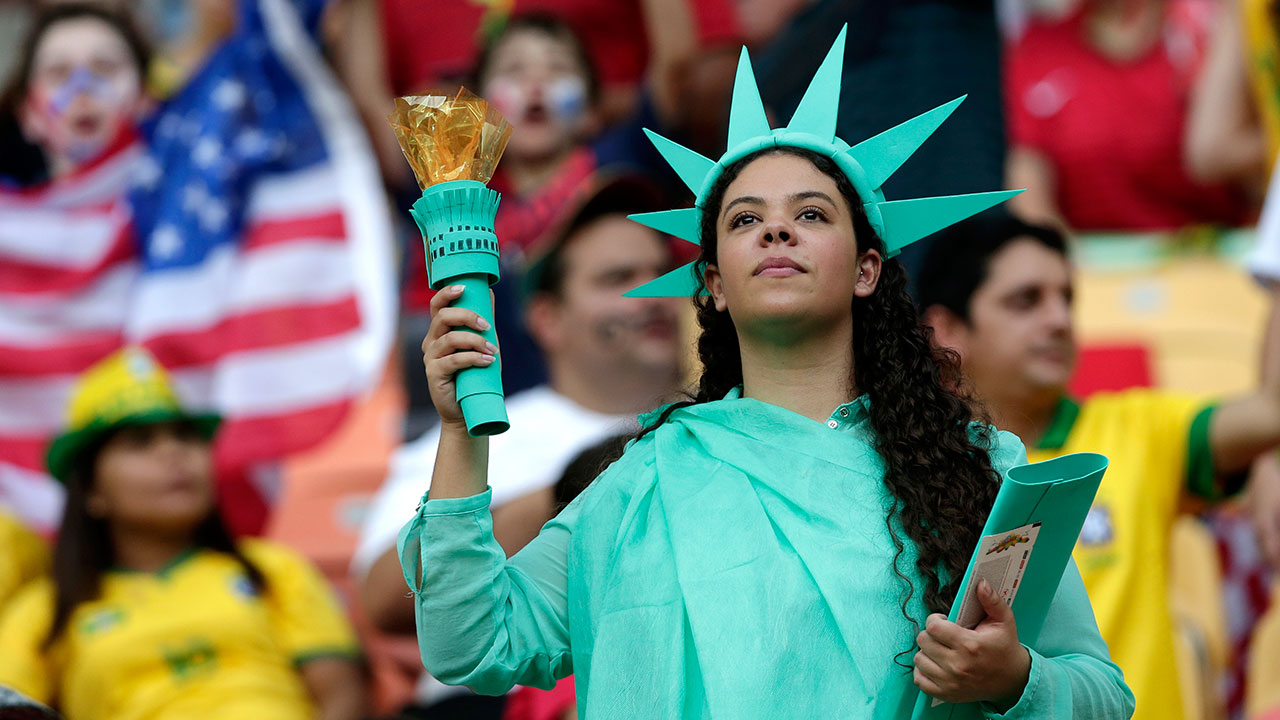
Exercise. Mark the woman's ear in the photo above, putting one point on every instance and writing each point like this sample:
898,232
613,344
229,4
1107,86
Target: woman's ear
542,320
869,265
715,286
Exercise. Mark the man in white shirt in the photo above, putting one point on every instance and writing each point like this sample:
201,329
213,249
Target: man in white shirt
608,358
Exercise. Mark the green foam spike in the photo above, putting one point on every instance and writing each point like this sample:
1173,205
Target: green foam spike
816,113
685,223
680,282
906,221
882,155
746,115
689,165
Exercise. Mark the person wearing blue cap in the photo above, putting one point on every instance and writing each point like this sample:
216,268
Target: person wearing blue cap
787,542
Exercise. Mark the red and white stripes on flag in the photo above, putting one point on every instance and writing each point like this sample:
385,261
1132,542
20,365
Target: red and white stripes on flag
68,267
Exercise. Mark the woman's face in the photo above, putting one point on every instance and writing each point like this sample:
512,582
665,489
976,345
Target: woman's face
786,256
155,477
84,88
539,85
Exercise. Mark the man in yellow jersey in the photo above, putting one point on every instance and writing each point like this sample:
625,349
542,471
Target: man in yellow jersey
999,292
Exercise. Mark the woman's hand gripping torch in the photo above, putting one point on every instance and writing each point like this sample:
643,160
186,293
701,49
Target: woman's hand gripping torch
453,144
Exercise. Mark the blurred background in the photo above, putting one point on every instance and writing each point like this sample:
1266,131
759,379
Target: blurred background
216,181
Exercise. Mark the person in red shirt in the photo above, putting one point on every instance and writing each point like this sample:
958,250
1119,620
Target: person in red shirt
1097,107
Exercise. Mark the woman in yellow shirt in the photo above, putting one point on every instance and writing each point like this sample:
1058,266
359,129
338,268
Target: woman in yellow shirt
153,610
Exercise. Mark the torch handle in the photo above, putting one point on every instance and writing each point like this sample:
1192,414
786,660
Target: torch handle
480,388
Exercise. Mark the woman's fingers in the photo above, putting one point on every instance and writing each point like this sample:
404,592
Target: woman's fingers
446,319
945,632
935,650
449,365
445,298
932,670
456,341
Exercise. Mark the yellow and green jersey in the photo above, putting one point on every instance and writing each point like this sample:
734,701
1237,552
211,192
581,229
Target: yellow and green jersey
23,556
1158,445
192,641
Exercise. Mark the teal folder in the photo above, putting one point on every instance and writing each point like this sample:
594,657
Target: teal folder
1057,494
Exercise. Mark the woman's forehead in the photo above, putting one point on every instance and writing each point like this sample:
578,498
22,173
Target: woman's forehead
79,39
780,176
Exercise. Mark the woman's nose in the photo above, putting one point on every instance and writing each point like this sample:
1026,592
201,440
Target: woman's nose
777,232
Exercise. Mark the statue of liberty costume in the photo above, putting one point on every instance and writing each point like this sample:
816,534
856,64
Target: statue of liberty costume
735,562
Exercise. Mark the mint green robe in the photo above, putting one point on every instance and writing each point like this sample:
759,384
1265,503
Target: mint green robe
735,563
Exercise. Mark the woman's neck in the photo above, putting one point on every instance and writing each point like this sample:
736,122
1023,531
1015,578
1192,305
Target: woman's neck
810,377
1124,30
147,551
528,175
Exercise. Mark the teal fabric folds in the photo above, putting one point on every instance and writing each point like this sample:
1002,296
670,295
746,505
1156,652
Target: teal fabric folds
734,563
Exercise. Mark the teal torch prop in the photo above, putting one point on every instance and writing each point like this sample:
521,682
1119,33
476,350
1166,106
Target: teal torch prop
453,145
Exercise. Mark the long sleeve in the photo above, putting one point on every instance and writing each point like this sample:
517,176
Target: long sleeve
1072,676
485,621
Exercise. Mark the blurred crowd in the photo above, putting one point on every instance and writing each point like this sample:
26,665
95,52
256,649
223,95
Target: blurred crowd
213,414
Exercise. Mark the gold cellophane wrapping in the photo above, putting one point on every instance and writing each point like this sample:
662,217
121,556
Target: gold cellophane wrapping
449,138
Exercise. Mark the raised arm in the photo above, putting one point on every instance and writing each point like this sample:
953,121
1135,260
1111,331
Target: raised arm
482,622
1224,139
1243,428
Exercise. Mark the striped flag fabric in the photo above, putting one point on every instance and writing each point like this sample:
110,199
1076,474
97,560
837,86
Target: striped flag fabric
68,266
253,257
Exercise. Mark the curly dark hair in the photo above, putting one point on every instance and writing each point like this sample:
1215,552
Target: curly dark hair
937,463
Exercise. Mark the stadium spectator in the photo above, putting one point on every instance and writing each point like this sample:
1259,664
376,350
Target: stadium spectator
999,291
1097,107
76,94
153,610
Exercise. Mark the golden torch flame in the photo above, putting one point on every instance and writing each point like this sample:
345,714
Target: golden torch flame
449,138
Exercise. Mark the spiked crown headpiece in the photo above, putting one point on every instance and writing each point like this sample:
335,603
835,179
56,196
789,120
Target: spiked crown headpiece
813,126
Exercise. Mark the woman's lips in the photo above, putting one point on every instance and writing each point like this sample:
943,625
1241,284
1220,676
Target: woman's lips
778,267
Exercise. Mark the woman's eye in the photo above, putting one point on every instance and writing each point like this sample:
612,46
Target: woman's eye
812,214
55,74
743,219
105,68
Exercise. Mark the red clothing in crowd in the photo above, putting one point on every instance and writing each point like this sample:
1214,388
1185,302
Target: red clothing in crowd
427,41
1113,130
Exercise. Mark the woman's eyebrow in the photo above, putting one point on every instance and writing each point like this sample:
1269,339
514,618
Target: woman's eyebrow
752,199
807,194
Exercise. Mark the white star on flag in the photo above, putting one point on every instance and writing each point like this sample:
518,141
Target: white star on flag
166,242
146,174
229,95
206,152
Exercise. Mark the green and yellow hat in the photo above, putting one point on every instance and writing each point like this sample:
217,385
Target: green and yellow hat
127,388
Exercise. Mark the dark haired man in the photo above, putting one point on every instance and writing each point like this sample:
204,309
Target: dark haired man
999,292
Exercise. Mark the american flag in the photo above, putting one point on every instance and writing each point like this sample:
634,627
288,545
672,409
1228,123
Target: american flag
252,257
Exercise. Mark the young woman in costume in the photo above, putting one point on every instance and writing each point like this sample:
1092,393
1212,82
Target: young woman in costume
786,543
